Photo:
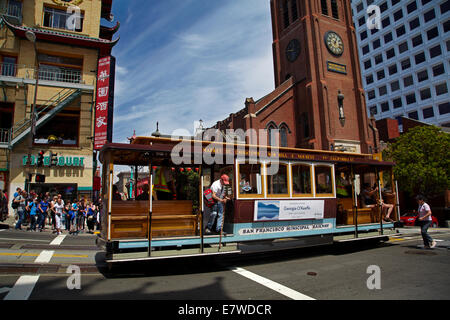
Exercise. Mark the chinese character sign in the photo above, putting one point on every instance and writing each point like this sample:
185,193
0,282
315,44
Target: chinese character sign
104,101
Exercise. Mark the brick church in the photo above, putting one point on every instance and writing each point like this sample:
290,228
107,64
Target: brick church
318,101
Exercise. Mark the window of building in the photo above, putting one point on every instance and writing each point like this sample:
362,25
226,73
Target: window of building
369,79
408,81
400,31
417,40
395,86
376,44
397,103
393,69
419,58
361,21
425,94
383,7
428,113
388,37
432,33
441,89
406,64
371,94
294,10
301,180
324,180
444,108
398,15
55,18
250,180
285,14
365,49
8,66
324,6
378,58
367,64
438,70
59,68
384,106
373,110
284,136
424,2
413,115
380,74
447,26
422,75
278,183
382,91
359,7
272,134
334,9
62,129
390,53
435,51
414,23
363,35
429,15
394,2
411,7
305,125
410,98
14,8
402,47
385,22
6,119
445,6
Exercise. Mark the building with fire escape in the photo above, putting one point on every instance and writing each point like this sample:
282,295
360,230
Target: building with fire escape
49,53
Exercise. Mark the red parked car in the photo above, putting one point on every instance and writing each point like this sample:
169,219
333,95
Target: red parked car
409,219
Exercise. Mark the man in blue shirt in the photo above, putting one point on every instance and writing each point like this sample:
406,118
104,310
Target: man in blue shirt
33,208
43,207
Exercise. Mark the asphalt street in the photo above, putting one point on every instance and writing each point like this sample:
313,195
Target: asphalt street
36,266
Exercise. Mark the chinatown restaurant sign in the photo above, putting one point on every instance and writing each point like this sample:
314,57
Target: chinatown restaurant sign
104,102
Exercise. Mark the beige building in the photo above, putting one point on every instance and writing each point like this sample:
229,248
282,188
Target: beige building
52,46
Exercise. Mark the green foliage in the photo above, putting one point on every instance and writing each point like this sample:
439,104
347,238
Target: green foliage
422,157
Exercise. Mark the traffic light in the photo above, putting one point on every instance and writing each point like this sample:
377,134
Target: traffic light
40,178
53,159
40,161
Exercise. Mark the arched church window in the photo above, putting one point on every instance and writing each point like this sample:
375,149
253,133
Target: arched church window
272,134
334,9
324,6
284,136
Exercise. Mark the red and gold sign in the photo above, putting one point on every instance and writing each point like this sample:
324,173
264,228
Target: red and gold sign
103,108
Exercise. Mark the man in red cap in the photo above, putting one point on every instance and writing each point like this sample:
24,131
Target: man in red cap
218,194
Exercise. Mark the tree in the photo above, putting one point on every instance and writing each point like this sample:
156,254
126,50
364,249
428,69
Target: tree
422,157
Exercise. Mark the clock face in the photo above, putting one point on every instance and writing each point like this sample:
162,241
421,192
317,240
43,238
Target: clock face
293,50
334,43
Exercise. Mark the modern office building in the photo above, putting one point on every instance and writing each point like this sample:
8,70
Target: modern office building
405,64
48,66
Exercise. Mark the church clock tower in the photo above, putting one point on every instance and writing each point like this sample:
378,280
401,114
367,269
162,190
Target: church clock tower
314,43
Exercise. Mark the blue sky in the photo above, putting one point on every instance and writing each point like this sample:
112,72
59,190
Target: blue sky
179,61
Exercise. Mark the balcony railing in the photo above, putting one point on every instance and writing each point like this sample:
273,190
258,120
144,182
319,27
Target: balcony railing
45,73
